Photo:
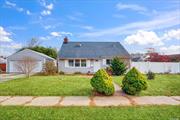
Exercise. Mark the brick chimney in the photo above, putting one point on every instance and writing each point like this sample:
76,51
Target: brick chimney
65,40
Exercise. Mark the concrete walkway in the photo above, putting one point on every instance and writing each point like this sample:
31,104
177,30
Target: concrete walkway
88,101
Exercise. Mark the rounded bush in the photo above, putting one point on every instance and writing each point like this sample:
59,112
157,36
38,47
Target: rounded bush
134,82
102,82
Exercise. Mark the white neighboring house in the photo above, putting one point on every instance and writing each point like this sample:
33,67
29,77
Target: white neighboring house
40,59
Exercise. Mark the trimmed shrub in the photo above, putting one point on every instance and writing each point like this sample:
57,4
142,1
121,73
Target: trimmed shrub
150,75
102,82
134,82
50,68
118,67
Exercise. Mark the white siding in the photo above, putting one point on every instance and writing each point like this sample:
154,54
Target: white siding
88,63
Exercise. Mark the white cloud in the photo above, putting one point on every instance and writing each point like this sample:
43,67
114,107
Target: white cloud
172,34
45,12
149,37
173,49
13,5
4,36
28,12
66,33
135,7
7,45
8,49
164,20
55,34
19,9
10,4
144,38
50,6
59,34
87,27
12,45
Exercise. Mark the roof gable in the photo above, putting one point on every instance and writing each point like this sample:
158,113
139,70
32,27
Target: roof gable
30,53
92,50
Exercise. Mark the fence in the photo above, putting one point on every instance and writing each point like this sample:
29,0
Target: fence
157,67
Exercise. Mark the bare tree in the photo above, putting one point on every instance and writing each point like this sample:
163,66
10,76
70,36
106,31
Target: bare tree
33,42
27,65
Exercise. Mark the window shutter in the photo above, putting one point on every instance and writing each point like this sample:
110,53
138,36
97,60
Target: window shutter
66,63
104,61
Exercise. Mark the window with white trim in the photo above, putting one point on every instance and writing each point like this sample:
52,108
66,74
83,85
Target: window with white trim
83,63
77,63
71,63
108,61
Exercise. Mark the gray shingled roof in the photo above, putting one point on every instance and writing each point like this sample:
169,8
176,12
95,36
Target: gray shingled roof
92,50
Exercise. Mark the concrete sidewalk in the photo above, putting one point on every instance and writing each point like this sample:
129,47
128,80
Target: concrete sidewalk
88,101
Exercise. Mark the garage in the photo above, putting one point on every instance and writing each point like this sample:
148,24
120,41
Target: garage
18,59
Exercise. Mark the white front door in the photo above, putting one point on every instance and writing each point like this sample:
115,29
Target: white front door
97,65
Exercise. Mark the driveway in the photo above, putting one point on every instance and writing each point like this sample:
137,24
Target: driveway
6,77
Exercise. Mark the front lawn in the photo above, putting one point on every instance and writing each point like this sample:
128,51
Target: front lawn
167,85
78,85
62,85
91,113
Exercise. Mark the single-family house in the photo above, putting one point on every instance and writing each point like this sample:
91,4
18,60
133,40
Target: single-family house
88,57
18,57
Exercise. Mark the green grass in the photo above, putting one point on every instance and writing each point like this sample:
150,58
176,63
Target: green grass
162,85
77,85
47,86
91,113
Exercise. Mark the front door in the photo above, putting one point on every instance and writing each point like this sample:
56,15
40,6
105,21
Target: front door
97,65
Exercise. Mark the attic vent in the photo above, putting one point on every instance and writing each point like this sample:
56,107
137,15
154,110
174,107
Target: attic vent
78,45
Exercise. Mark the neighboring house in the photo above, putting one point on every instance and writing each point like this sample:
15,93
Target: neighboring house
88,57
2,64
17,57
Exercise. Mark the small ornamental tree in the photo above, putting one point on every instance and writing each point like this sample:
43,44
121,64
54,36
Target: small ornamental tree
150,75
102,82
134,82
27,65
118,67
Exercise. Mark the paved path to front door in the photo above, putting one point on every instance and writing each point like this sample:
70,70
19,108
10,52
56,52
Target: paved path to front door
88,101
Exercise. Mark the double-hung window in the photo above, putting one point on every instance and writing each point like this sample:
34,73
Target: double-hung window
77,63
83,63
108,61
71,63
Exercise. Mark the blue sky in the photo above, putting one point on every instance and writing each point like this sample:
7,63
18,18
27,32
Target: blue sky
137,24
